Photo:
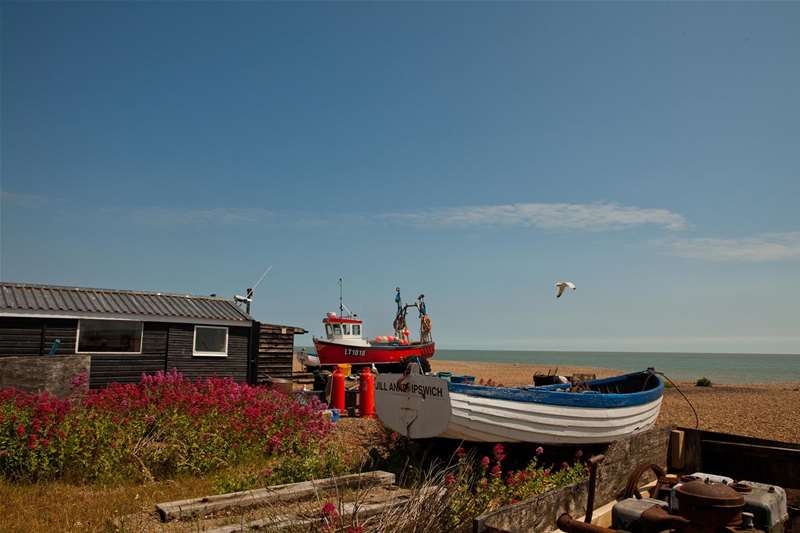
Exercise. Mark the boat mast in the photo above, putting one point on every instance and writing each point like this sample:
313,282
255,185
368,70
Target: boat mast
341,305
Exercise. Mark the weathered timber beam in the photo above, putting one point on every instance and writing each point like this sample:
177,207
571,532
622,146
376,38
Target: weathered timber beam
182,509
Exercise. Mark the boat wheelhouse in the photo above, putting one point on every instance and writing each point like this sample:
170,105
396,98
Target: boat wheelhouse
345,330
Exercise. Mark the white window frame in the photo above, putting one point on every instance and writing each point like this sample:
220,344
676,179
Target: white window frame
210,354
141,337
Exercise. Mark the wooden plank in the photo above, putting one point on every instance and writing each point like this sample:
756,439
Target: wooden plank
776,465
692,458
676,449
183,509
346,510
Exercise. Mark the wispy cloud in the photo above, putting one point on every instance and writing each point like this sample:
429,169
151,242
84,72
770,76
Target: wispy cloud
8,198
760,248
199,216
599,216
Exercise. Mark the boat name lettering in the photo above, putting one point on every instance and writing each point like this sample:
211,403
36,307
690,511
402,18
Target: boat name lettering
353,351
422,390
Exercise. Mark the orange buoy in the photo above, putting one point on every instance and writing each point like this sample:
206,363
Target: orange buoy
366,393
337,390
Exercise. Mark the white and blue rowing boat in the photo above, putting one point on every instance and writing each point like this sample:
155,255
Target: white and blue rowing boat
600,411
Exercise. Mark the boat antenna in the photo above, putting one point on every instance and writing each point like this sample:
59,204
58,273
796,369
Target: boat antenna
264,275
248,299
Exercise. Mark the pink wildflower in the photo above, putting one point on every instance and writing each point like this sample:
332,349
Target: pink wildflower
450,479
485,462
329,510
539,450
460,453
496,471
21,430
499,452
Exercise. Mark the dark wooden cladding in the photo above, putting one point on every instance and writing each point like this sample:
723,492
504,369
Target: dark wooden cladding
179,354
20,336
164,346
128,368
273,357
66,330
35,336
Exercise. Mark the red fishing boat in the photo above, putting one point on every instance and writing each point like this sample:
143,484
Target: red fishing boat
345,343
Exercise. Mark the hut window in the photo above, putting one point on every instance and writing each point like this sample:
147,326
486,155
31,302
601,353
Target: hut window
337,329
212,341
356,329
109,336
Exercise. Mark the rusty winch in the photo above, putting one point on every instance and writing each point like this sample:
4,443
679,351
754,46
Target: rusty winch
709,506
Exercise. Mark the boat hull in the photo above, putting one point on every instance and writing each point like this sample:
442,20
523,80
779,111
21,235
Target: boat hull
599,411
332,353
492,420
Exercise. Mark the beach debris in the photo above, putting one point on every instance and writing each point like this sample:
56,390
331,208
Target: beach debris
561,286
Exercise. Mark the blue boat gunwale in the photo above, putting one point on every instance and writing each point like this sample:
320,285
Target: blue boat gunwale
558,395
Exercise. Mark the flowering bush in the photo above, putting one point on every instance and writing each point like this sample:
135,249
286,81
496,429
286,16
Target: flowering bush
163,426
476,490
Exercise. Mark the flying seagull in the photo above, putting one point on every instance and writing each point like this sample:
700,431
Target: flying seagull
562,285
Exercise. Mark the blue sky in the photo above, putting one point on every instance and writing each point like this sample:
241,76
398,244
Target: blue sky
474,152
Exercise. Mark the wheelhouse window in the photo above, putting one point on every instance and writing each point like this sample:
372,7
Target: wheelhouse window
337,329
346,329
328,330
109,336
210,340
356,329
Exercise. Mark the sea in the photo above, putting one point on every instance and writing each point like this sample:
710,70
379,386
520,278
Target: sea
718,367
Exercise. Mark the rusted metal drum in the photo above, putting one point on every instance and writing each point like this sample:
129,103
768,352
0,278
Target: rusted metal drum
710,505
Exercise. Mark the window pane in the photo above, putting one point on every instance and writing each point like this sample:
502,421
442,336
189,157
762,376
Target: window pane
110,336
337,329
356,329
328,330
210,339
346,328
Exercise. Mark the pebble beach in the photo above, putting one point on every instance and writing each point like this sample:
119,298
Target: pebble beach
767,411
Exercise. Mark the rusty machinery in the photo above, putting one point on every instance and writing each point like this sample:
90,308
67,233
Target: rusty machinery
700,503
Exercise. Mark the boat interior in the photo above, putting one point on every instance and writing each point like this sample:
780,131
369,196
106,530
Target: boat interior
625,384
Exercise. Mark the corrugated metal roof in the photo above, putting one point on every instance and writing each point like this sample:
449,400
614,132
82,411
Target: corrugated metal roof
50,300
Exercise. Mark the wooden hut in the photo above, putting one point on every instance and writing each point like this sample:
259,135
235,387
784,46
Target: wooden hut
128,333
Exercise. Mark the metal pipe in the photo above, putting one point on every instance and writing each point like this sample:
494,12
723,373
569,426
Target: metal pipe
593,462
566,523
